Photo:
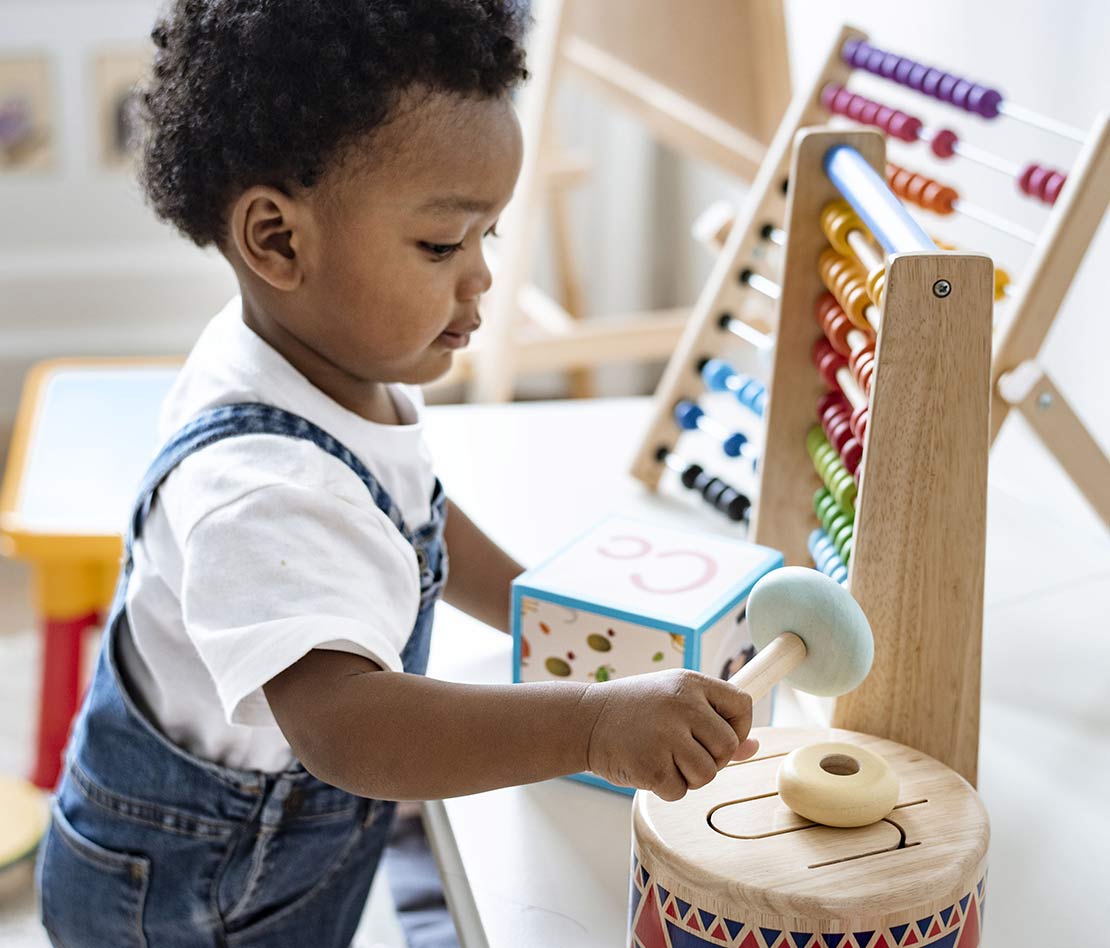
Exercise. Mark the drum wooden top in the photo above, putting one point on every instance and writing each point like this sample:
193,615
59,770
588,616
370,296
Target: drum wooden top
734,842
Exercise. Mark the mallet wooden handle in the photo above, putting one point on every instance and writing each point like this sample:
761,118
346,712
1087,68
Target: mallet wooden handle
771,664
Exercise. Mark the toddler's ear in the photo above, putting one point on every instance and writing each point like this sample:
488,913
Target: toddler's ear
265,227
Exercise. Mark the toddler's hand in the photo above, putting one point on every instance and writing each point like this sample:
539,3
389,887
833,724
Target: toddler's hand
668,731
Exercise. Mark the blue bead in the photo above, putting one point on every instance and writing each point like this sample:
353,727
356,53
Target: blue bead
687,414
734,444
715,374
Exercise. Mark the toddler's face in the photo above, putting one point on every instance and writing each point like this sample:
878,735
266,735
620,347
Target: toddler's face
398,269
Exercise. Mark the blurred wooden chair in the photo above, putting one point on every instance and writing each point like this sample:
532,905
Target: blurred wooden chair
709,78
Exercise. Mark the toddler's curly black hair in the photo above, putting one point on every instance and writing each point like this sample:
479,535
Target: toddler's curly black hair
247,92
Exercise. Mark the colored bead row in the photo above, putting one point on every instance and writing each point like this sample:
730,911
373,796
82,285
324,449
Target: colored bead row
719,376
928,80
691,416
858,418
843,336
837,425
965,94
896,123
1033,179
828,465
841,226
848,284
859,366
731,502
826,557
838,525
921,190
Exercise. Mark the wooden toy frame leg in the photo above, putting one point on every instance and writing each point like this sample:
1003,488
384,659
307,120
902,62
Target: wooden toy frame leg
1031,392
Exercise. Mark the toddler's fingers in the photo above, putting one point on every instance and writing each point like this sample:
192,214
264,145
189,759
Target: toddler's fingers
732,704
716,735
672,785
748,748
696,765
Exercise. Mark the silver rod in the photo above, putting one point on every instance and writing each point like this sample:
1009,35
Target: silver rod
982,157
996,221
1020,114
773,234
761,284
750,334
865,252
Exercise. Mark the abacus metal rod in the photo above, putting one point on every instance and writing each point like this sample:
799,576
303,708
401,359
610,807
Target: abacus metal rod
996,221
774,235
760,284
749,334
877,206
1021,114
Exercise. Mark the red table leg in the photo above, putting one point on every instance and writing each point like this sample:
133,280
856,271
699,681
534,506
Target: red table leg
61,684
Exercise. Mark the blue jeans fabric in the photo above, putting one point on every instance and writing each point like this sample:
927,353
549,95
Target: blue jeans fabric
151,846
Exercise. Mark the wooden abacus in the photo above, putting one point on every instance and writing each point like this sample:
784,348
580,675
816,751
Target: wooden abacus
919,524
745,268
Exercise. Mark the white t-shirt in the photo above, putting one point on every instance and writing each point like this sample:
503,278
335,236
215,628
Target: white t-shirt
260,548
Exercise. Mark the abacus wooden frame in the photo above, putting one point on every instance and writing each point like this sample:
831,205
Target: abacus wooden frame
920,530
1037,297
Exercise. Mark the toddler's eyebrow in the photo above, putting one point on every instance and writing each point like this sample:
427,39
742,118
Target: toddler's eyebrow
454,203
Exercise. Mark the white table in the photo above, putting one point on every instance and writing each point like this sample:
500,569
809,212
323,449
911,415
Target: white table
547,864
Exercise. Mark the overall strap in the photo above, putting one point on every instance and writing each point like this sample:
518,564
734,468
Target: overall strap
251,418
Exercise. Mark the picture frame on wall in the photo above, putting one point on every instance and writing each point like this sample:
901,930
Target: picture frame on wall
117,75
27,135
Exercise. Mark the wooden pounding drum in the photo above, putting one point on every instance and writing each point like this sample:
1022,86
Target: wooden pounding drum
731,865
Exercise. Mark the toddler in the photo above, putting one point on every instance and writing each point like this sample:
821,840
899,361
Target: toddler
259,702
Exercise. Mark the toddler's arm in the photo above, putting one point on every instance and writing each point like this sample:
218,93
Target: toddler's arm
395,736
480,574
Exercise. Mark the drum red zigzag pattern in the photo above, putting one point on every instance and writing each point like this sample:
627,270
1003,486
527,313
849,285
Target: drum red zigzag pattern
658,919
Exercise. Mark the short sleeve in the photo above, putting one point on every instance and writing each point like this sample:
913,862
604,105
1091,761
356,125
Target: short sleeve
282,570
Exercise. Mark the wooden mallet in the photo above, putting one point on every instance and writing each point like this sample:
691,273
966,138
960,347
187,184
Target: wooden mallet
809,631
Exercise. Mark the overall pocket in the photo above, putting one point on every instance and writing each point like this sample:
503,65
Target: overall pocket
280,878
90,895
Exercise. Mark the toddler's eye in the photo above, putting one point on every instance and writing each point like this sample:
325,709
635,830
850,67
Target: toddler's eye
441,250
492,232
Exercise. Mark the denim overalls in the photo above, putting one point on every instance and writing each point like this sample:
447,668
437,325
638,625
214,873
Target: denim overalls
149,845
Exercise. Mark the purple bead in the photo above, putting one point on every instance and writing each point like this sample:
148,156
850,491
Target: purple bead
945,87
931,81
875,61
889,64
984,102
917,76
960,92
902,71
848,50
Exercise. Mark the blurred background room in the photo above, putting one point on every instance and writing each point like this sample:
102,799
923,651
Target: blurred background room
88,273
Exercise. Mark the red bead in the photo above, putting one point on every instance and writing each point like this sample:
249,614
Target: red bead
944,143
840,434
859,422
829,400
1054,186
852,453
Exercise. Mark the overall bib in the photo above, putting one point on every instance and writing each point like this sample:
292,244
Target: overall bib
149,845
